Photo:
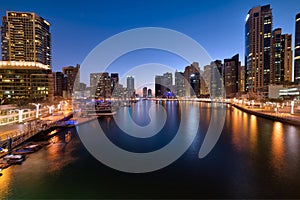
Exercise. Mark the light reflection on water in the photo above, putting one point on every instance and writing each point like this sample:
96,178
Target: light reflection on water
254,158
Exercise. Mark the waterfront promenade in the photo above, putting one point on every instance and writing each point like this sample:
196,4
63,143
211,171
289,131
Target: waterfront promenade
282,115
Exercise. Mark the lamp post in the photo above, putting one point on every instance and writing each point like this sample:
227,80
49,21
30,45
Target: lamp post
20,115
37,106
292,107
50,109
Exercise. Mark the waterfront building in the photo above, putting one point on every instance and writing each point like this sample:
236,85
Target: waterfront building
167,83
242,79
59,84
274,91
25,81
297,50
258,37
149,93
158,86
114,81
192,76
144,92
94,77
103,86
130,86
282,56
214,80
26,37
73,76
231,75
180,84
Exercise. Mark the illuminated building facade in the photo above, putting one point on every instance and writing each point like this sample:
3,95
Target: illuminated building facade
26,81
25,36
297,50
258,38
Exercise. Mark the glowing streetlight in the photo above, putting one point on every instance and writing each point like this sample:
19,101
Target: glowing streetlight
20,115
37,107
50,109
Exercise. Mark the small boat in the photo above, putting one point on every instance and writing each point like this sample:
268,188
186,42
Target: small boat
13,157
23,151
15,161
33,147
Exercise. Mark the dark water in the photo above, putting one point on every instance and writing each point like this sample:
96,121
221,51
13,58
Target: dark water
254,158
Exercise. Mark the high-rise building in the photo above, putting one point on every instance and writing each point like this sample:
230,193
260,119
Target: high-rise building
130,82
130,86
180,84
94,78
158,86
297,50
25,81
231,75
144,92
149,93
242,79
167,82
281,65
114,81
73,76
192,76
258,30
103,88
26,53
59,83
25,37
213,78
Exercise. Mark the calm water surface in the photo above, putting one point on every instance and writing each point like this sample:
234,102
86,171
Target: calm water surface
254,158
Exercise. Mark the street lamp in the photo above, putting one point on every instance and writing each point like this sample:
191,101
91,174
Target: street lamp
50,109
20,115
37,106
292,107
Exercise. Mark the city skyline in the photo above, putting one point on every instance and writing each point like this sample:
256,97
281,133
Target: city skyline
97,23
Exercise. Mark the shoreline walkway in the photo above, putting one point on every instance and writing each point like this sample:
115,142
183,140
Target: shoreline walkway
282,115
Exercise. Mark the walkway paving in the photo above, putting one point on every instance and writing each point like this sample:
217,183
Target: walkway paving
282,115
14,129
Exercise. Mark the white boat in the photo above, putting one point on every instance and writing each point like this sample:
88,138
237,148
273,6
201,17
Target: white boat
13,157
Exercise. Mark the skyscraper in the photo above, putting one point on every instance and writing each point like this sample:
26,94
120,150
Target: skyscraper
59,83
25,37
94,78
281,65
114,81
158,86
297,50
130,82
144,92
73,76
26,55
149,93
180,86
231,75
103,86
258,30
192,76
130,86
167,82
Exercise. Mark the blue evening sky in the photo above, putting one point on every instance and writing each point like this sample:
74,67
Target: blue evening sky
218,25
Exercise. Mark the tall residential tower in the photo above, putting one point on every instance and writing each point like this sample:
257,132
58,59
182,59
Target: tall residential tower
25,36
297,50
258,35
